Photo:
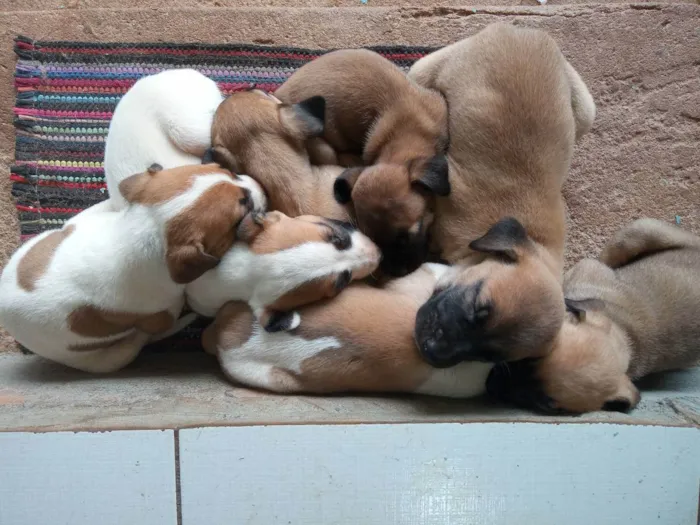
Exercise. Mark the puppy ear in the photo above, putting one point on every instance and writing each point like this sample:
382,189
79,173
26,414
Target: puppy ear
154,168
579,307
625,399
221,156
503,238
188,262
342,188
431,174
306,118
132,188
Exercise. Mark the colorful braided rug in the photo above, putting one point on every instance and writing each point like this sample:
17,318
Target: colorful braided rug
67,91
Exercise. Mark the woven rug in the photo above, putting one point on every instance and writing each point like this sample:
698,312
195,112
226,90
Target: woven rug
67,91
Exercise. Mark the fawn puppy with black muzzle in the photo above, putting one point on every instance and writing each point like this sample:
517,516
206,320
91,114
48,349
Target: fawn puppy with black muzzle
631,313
516,108
399,129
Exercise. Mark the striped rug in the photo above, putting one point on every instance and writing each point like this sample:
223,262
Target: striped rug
67,91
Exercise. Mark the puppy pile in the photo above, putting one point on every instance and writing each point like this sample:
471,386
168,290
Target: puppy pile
444,186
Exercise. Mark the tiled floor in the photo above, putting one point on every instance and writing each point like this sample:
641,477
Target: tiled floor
441,474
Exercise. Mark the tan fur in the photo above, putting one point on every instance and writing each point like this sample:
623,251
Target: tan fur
199,236
156,186
89,321
37,259
516,107
126,339
647,320
279,232
231,328
373,110
253,133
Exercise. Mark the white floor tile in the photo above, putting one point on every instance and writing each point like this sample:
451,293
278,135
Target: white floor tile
440,474
96,478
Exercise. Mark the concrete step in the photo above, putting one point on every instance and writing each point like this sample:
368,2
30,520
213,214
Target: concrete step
188,390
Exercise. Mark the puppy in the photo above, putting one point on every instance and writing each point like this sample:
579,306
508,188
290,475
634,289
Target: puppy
360,341
93,293
516,109
253,132
163,119
399,129
284,263
633,312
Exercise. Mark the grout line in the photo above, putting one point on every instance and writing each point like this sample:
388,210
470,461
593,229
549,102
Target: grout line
178,487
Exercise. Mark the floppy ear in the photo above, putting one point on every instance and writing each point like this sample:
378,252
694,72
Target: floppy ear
342,188
431,174
132,188
579,307
221,156
188,262
305,119
502,239
625,399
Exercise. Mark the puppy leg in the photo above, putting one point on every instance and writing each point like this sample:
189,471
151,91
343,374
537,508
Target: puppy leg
644,237
581,102
106,360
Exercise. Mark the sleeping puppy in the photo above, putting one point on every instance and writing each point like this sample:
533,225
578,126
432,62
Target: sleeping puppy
360,341
399,129
282,263
254,133
516,108
93,293
163,119
633,312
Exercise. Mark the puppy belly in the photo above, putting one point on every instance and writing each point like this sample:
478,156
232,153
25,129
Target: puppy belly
461,381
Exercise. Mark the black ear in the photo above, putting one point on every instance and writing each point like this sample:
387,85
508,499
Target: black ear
305,118
342,188
502,239
221,156
280,322
432,175
579,307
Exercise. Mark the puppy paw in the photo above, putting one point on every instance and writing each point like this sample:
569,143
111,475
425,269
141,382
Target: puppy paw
281,321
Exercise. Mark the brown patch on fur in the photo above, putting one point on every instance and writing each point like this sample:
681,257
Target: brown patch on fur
200,235
91,321
378,352
253,134
35,262
312,291
282,233
232,327
101,345
155,187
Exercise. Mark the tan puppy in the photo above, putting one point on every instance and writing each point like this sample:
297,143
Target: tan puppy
360,341
254,133
399,128
516,109
632,313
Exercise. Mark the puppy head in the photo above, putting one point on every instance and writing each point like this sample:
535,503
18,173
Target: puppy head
393,205
507,307
585,372
309,258
200,208
252,128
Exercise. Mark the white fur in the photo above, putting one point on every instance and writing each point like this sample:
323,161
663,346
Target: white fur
252,363
165,119
462,380
114,260
243,275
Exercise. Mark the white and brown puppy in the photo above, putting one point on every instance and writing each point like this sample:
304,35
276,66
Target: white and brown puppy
360,341
516,109
364,105
91,294
163,119
633,312
254,133
284,263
